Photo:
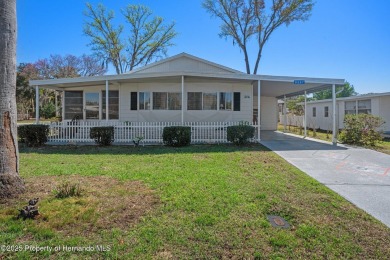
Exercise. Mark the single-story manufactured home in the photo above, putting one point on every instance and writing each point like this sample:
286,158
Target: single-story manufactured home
180,89
319,113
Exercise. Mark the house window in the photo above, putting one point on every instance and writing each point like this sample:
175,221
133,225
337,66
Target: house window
350,107
201,101
144,100
209,101
194,100
364,106
326,111
113,104
225,101
166,101
133,101
314,112
73,104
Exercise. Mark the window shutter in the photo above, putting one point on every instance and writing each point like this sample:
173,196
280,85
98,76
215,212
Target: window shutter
237,101
133,101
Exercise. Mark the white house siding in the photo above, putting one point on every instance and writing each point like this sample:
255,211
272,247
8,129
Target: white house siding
268,112
384,103
380,106
184,64
245,114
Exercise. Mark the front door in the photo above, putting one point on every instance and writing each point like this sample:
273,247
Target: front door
92,105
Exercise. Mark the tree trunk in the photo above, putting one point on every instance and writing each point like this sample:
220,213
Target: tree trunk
10,182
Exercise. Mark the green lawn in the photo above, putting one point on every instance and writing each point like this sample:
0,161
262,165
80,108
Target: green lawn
205,202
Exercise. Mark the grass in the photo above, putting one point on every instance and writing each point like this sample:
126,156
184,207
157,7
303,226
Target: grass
205,202
383,146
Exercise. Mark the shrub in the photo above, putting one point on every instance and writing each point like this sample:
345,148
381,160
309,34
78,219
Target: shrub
48,110
240,134
102,135
67,189
177,135
361,129
33,135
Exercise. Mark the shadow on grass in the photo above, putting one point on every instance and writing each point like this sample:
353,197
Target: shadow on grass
141,150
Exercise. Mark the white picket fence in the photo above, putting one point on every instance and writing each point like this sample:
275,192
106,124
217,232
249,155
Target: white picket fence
126,132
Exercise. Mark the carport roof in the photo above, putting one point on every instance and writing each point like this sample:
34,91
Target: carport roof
272,86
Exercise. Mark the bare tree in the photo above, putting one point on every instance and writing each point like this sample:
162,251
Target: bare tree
244,19
148,37
10,182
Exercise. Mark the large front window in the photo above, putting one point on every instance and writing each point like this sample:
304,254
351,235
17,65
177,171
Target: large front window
201,101
113,104
144,101
166,101
73,105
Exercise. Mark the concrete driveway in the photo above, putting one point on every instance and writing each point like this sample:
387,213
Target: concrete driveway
360,175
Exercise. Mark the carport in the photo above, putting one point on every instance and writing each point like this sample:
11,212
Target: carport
282,87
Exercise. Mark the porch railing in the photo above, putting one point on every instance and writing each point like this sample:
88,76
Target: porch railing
126,132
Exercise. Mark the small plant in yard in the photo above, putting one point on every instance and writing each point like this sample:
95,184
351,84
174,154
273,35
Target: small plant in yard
137,140
177,135
67,189
33,135
103,136
362,129
240,134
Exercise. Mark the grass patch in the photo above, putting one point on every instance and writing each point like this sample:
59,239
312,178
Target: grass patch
206,202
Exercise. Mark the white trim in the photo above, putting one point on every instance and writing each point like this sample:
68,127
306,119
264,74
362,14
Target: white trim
305,117
37,104
334,134
107,100
258,110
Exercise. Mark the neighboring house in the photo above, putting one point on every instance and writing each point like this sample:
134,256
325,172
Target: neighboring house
319,113
182,88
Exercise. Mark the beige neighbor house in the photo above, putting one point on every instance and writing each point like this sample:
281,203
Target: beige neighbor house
319,113
182,89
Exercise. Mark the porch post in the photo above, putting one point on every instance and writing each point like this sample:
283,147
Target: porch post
334,138
63,105
56,102
285,114
107,100
182,99
305,117
258,110
36,104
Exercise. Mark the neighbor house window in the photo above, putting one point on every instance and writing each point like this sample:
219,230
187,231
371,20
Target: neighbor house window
364,106
166,101
113,104
73,104
144,100
350,107
314,112
326,111
225,101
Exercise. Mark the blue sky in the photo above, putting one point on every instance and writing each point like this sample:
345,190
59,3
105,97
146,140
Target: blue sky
346,39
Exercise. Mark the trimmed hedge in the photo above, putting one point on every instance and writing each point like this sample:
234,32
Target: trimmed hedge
33,135
103,135
177,135
240,134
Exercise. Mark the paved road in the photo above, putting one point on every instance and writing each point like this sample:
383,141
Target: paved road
360,175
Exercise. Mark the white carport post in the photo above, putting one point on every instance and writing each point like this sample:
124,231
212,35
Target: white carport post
37,104
334,134
285,114
305,116
258,110
182,99
106,100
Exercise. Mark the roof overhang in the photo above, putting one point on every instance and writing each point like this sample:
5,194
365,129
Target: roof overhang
273,86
